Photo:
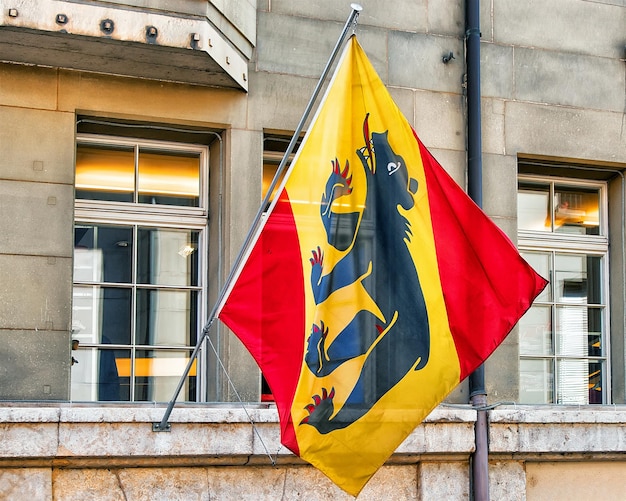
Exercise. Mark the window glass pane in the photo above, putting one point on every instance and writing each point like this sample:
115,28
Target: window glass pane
103,253
535,332
580,382
596,382
578,279
536,381
578,331
105,172
533,208
167,257
540,261
167,317
269,171
594,334
100,374
576,211
157,374
170,178
101,315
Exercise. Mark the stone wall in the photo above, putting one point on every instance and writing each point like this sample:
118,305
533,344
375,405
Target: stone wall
110,453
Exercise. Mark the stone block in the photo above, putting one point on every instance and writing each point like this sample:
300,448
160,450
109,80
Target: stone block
496,70
35,292
389,482
500,185
444,19
546,76
164,484
392,482
21,483
27,440
439,120
38,145
257,483
454,162
35,365
609,480
588,431
507,480
28,86
285,45
151,101
573,26
407,15
443,480
502,372
37,219
88,485
243,180
415,61
277,101
120,440
433,436
564,132
492,118
486,22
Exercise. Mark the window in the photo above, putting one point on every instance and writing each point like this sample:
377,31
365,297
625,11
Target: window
139,241
562,233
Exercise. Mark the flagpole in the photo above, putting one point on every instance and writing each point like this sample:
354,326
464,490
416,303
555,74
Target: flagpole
163,425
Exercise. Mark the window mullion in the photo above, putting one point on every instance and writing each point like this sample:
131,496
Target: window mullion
136,185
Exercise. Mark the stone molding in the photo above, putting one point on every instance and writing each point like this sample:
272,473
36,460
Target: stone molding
95,436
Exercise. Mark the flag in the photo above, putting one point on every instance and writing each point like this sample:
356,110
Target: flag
374,286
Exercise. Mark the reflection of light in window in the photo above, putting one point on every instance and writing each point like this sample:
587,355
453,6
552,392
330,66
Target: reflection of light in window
186,251
102,169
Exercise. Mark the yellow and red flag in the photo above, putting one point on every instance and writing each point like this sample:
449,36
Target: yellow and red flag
375,285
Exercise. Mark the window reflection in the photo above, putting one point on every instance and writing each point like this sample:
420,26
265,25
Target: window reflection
101,314
96,375
157,374
533,208
105,173
576,211
166,317
169,178
577,278
167,257
573,210
103,253
111,173
535,329
536,381
561,335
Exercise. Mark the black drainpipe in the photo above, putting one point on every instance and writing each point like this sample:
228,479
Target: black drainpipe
478,395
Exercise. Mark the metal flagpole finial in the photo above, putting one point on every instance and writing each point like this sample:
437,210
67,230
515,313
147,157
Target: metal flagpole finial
356,10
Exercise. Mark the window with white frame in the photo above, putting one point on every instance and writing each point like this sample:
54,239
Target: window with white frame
139,246
562,233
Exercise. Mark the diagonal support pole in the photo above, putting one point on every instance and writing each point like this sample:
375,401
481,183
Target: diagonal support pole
164,425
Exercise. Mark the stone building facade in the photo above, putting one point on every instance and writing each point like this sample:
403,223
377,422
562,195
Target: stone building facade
100,101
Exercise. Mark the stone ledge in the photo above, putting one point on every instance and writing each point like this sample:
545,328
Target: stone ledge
94,436
542,433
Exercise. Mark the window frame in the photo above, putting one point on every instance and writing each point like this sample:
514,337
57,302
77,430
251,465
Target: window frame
169,214
139,215
561,243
